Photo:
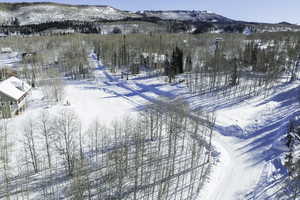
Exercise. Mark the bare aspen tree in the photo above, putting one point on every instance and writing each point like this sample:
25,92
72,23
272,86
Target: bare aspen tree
95,133
31,62
4,159
46,131
74,60
81,183
30,143
66,129
53,86
293,48
58,89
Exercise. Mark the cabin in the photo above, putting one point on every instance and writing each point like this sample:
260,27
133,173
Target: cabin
153,58
6,50
28,54
13,95
247,31
3,35
219,39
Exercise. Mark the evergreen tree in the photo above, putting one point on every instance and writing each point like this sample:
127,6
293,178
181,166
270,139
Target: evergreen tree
177,60
188,63
234,76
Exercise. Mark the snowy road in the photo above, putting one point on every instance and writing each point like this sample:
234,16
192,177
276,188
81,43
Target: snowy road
235,174
249,138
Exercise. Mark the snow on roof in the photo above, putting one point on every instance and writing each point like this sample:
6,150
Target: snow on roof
14,87
155,56
6,49
3,35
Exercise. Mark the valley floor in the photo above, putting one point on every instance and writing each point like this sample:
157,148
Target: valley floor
248,137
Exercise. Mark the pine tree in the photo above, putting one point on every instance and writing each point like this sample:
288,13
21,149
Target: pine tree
234,76
177,60
290,144
188,64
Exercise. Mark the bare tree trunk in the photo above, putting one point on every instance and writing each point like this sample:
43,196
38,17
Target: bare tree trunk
46,132
30,145
4,150
66,128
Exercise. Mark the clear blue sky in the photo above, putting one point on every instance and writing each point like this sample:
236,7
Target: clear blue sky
248,10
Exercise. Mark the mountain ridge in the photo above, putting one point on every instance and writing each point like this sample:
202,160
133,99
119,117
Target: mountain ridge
25,12
16,15
12,7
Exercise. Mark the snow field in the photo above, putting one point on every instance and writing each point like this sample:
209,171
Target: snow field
247,137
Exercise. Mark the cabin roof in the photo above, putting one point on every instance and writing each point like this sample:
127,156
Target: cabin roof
14,87
3,35
6,50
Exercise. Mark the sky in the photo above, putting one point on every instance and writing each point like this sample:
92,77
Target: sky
272,11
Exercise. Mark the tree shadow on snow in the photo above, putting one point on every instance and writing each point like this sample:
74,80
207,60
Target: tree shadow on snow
271,183
267,138
267,145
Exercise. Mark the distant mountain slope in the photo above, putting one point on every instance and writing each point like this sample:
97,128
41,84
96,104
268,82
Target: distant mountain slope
36,13
184,15
44,18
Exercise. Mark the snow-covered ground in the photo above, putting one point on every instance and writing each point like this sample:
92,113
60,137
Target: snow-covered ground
9,59
248,134
247,138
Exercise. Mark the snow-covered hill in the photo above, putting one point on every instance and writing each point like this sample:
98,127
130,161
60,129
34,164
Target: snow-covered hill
14,14
183,15
35,13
